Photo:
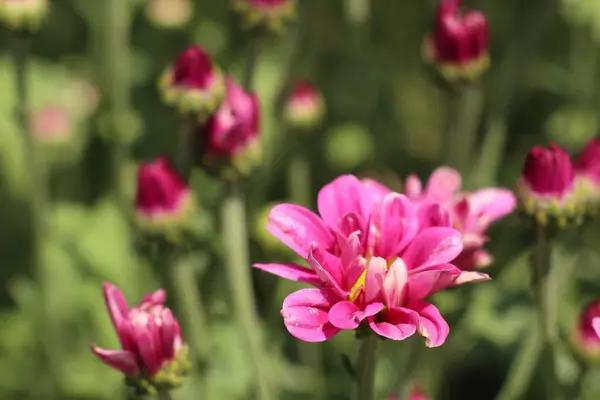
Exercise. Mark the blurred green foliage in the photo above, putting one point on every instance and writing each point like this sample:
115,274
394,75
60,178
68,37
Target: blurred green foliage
384,116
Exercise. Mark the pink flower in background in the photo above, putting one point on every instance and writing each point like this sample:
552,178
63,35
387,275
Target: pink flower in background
305,107
162,197
52,123
548,172
596,326
149,334
418,394
472,213
587,170
587,333
371,260
194,69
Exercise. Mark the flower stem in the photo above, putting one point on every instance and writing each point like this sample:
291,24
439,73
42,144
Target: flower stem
235,237
251,64
544,288
38,203
366,364
298,179
464,112
164,395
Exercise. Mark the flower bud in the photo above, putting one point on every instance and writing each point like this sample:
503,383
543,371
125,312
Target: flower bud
459,43
587,170
586,335
546,189
163,202
305,108
153,356
169,14
270,15
194,85
230,138
23,15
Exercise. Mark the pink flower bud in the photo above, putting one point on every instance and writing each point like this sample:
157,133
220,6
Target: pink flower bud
194,85
459,43
305,108
546,188
587,169
272,15
152,353
587,332
169,13
23,14
162,200
230,137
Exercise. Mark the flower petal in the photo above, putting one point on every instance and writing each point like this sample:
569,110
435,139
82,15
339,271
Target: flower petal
305,314
167,334
292,272
398,324
471,277
155,298
425,282
432,326
493,203
433,246
117,310
413,188
338,198
298,228
596,326
345,315
433,214
443,184
121,360
394,283
393,225
328,268
147,348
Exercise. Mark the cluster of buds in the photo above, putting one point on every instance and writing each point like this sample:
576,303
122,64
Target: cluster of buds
305,108
153,356
23,15
266,15
169,14
585,335
458,46
557,192
163,201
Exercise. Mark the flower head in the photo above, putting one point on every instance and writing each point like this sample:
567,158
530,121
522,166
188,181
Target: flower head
472,213
272,15
305,108
587,170
230,138
459,43
153,355
23,15
169,13
163,201
587,331
193,84
372,262
546,188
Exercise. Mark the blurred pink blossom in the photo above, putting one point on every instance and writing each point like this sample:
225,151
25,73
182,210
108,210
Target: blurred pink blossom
52,123
305,106
588,330
548,172
371,260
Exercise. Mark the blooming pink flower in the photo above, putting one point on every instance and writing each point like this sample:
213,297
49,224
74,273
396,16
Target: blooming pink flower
587,169
231,134
471,213
372,261
149,334
162,196
305,107
588,330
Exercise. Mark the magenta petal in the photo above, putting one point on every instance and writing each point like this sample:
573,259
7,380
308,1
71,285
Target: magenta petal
338,198
493,203
298,228
372,193
121,360
443,184
424,283
292,272
471,277
433,214
432,325
167,334
398,324
345,315
394,224
433,246
147,348
328,268
117,309
596,326
376,271
155,298
305,314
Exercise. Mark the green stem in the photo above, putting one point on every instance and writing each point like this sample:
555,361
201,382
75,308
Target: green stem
235,237
38,203
298,181
521,370
251,64
164,395
545,295
464,113
366,365
491,154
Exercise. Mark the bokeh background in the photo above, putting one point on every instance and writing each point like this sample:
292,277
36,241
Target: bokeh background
385,118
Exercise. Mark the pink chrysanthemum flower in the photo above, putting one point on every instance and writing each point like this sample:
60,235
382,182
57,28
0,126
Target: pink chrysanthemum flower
472,213
374,258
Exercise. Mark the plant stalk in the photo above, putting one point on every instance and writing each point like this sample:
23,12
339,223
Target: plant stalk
298,179
235,241
366,365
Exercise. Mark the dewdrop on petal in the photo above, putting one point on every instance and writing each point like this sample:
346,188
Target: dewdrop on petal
193,85
269,15
23,15
169,14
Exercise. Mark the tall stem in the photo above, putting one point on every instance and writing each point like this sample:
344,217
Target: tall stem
366,365
464,113
38,202
298,180
544,288
235,237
